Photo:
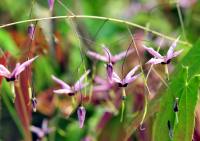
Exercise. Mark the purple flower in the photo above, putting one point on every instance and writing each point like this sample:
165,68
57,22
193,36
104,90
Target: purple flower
108,57
81,112
130,77
159,59
51,4
31,29
43,131
71,90
17,70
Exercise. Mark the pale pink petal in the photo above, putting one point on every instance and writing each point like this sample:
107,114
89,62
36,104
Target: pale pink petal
177,53
116,78
4,71
37,131
132,72
128,81
19,68
63,91
99,80
153,52
79,83
122,55
155,61
101,88
97,56
81,116
171,49
81,86
62,83
45,125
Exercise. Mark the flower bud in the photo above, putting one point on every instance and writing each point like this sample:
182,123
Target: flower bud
81,115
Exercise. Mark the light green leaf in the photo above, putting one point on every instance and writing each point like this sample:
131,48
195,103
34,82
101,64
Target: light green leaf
7,43
184,86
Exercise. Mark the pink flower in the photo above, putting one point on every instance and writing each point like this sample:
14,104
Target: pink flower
130,77
108,57
43,131
71,90
51,4
81,112
17,70
159,59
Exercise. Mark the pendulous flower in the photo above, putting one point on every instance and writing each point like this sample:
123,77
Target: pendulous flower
159,59
81,112
130,77
31,29
108,57
17,70
71,90
51,4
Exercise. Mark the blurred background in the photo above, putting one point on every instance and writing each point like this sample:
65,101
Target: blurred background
62,45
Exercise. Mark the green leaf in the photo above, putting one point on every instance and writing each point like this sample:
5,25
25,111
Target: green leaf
7,43
184,86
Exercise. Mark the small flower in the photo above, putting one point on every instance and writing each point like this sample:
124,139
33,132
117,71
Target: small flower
15,73
81,112
31,29
51,4
159,59
130,77
43,131
71,90
108,57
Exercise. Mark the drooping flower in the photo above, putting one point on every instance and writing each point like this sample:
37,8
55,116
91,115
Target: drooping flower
43,131
51,4
71,90
159,59
108,57
31,29
130,77
81,112
17,70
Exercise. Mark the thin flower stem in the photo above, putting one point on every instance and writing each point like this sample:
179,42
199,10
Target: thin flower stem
181,19
166,71
100,18
145,112
160,77
123,104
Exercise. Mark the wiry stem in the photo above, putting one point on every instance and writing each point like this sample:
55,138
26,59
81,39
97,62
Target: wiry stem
100,18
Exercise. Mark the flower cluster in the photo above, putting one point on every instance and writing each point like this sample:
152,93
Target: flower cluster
113,79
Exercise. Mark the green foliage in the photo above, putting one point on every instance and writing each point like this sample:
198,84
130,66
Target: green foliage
7,43
184,85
